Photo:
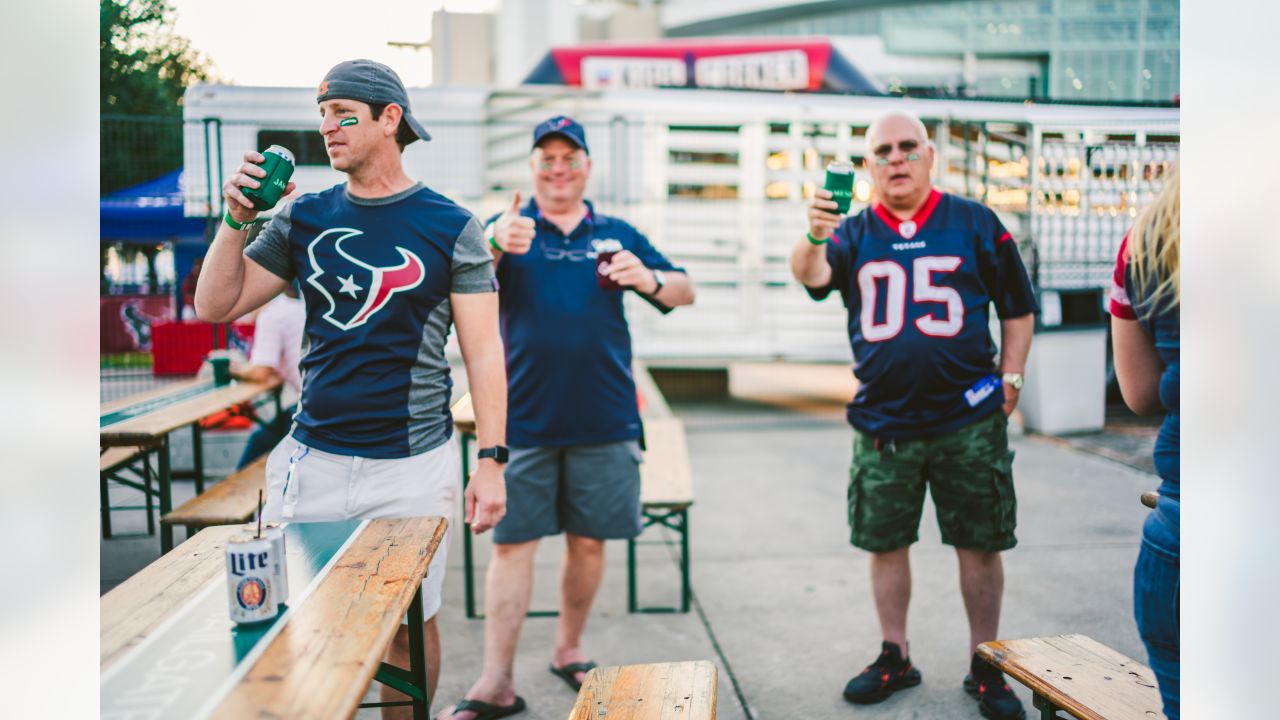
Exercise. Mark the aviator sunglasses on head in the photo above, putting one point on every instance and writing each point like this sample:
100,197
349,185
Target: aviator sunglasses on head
907,146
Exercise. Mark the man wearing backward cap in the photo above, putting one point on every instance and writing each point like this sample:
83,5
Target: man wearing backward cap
386,266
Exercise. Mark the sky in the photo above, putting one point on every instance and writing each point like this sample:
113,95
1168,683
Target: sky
293,42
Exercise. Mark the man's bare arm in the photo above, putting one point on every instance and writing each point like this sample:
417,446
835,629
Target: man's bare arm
809,261
476,317
231,284
1015,345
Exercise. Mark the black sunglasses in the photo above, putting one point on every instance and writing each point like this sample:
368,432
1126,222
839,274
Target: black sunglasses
910,147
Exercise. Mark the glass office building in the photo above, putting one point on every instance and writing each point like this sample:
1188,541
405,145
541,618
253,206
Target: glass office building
1083,50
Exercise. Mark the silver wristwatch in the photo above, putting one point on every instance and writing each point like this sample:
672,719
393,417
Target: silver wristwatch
659,278
1015,380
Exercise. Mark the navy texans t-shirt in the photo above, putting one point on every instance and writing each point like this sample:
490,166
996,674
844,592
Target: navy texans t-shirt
918,293
568,344
376,275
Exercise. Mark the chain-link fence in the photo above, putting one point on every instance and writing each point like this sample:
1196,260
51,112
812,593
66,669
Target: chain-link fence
146,251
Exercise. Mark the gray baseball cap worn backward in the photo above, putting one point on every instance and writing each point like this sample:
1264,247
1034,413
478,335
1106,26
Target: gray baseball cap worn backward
369,82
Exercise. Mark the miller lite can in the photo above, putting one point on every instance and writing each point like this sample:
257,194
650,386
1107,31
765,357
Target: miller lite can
251,578
278,162
275,533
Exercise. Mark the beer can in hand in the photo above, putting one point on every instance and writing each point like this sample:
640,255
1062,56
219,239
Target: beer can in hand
840,182
250,581
278,162
275,533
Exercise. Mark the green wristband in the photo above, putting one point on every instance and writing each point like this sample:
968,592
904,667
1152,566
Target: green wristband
231,222
815,240
493,241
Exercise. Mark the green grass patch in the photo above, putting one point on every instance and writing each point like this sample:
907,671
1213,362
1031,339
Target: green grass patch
125,361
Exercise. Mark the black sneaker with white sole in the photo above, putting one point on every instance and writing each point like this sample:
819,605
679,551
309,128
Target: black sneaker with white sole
889,673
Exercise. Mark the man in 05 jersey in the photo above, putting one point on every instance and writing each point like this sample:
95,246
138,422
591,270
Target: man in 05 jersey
385,266
918,271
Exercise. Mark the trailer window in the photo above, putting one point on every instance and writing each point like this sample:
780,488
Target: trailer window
703,192
691,157
307,145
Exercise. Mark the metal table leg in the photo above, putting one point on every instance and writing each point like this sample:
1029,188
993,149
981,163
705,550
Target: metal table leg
197,451
105,501
165,480
418,657
468,579
149,494
684,561
412,682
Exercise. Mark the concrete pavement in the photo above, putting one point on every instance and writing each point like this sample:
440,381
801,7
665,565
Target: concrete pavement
783,605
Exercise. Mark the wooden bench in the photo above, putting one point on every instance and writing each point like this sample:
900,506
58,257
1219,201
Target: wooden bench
662,691
666,488
112,462
1078,675
666,493
230,501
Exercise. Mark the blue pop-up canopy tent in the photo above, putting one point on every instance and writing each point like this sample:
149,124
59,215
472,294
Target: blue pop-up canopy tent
148,213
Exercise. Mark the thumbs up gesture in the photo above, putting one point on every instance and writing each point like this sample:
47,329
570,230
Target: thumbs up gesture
513,232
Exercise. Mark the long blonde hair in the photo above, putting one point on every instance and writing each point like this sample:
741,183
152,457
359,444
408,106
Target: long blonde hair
1153,248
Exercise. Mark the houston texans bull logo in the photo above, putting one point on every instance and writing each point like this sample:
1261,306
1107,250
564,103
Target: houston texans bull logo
354,288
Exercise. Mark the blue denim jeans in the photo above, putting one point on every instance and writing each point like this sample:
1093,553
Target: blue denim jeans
264,439
1156,603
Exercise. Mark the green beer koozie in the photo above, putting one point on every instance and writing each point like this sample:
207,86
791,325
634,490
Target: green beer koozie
840,182
279,166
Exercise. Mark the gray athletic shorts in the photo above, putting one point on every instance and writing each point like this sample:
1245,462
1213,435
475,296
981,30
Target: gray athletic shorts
588,490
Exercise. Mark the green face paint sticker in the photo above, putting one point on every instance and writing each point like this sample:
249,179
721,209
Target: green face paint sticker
348,121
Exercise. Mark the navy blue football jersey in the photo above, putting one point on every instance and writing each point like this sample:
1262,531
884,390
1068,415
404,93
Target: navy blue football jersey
376,277
918,293
568,344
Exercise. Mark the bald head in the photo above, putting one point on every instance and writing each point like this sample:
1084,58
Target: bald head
900,161
897,124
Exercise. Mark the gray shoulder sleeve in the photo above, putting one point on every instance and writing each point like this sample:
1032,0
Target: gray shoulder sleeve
472,264
270,248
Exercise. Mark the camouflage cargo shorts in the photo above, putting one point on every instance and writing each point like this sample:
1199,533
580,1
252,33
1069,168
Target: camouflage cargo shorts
969,473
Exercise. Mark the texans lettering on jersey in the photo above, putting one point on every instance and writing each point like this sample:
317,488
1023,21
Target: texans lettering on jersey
376,277
918,293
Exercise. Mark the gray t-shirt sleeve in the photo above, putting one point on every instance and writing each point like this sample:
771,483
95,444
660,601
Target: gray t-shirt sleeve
472,270
270,248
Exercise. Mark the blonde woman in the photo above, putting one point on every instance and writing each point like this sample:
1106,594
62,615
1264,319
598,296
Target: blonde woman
1145,302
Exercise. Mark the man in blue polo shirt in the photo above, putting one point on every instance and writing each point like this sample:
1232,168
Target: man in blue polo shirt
573,423
386,266
918,271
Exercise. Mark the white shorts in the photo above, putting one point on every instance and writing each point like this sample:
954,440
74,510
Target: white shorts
326,487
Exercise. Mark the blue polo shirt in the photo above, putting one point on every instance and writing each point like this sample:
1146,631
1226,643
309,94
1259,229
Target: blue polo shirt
567,341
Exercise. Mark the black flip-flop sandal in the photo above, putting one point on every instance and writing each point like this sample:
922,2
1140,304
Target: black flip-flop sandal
567,672
488,711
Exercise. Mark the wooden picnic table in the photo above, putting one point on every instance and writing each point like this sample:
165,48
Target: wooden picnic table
170,649
146,420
